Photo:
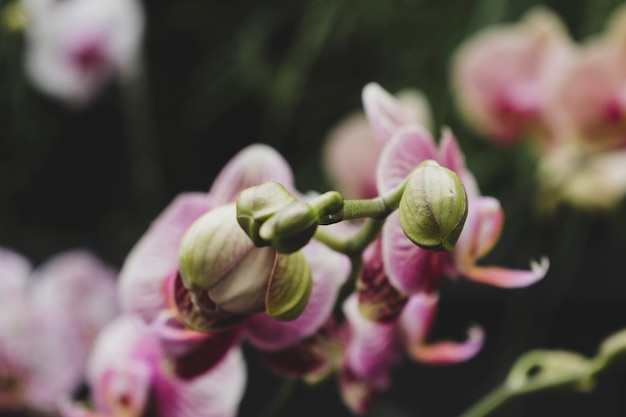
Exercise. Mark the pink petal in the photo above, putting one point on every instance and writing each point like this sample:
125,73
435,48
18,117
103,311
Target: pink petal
155,256
447,352
14,273
329,271
351,151
508,278
126,351
385,113
416,321
403,153
451,157
251,166
371,347
311,358
481,231
40,354
409,268
417,317
81,290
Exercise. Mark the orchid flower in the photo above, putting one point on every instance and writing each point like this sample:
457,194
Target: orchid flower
74,47
352,148
410,268
49,319
503,76
586,167
373,347
129,375
151,286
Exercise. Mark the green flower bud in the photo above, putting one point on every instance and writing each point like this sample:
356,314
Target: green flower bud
291,228
433,207
257,204
217,259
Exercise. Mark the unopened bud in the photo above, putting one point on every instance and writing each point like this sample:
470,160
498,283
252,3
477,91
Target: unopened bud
217,259
291,228
433,207
257,204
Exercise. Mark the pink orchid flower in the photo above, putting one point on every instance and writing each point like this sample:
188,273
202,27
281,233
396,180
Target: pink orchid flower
410,268
590,95
352,147
49,319
129,375
74,47
503,75
382,325
372,347
150,288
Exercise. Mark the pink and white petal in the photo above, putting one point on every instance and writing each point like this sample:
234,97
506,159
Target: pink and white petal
371,347
329,271
451,157
385,113
128,350
175,338
40,353
508,278
312,358
68,408
448,352
351,151
124,346
14,274
406,149
417,317
253,165
155,256
415,324
409,268
81,289
480,233
216,393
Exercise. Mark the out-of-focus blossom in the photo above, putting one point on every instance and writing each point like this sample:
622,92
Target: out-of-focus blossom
129,375
586,166
152,287
503,76
594,181
49,319
352,147
75,47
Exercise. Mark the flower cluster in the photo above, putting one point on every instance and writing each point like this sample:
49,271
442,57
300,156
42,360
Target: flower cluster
530,81
318,284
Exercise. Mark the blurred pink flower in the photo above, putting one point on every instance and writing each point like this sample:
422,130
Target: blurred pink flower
503,75
49,319
74,47
586,166
129,375
353,146
151,287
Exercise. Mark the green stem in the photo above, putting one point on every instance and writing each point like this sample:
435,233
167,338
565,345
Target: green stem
501,395
351,245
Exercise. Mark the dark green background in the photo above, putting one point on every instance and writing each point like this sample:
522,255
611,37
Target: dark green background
221,75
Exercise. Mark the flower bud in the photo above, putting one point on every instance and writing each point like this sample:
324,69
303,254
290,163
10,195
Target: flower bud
226,273
291,228
433,207
257,204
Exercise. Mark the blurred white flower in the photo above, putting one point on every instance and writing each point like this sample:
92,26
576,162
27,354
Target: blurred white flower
75,47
